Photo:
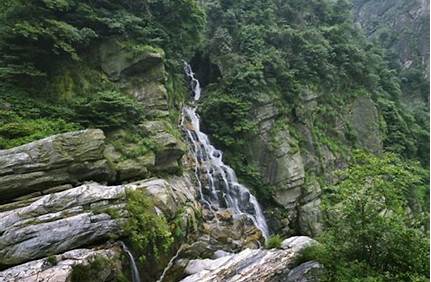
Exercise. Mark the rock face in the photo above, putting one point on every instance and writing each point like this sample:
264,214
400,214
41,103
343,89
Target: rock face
67,158
278,156
169,148
253,265
402,26
365,123
119,58
59,268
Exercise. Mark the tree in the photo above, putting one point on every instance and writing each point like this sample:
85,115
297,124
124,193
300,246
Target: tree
374,231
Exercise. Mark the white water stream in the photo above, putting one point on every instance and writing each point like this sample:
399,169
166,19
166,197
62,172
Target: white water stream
218,184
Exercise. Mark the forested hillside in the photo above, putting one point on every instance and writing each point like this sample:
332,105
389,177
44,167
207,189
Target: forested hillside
320,107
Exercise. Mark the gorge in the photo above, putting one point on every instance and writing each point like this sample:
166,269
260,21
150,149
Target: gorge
292,146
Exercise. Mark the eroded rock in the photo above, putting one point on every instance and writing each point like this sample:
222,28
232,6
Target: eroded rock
250,265
59,268
81,216
67,158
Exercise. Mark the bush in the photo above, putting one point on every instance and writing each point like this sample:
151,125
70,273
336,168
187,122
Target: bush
21,131
90,272
371,233
107,110
274,242
149,232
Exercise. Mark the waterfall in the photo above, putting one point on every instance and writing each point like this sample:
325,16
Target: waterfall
218,184
135,272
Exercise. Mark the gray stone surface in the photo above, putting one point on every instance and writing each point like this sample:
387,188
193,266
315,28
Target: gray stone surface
81,216
59,268
249,265
120,57
169,148
67,158
365,124
307,272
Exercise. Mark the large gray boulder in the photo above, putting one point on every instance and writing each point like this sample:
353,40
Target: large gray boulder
82,216
67,158
250,265
59,268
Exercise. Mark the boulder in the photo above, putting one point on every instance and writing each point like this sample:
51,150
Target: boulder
68,158
59,222
250,265
169,148
59,268
83,216
309,271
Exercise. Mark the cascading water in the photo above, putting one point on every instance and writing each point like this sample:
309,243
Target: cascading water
218,184
135,273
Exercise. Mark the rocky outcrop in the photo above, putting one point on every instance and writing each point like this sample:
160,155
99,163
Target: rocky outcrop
402,26
59,268
252,265
277,155
42,166
365,123
169,149
120,58
309,271
81,216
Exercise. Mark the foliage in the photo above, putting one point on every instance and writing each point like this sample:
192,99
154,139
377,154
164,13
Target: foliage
370,234
24,119
233,127
281,51
274,242
91,271
52,260
35,34
149,232
107,109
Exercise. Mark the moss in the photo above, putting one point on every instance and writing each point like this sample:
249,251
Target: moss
149,232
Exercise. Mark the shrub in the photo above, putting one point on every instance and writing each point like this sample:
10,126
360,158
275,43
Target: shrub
90,272
274,242
149,233
21,131
372,234
107,110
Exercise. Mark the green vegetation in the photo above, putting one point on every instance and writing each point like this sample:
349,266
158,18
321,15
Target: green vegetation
91,272
372,234
281,52
24,118
274,242
34,35
149,232
52,260
49,59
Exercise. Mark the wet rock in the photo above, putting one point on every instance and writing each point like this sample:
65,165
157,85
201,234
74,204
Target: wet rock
67,158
